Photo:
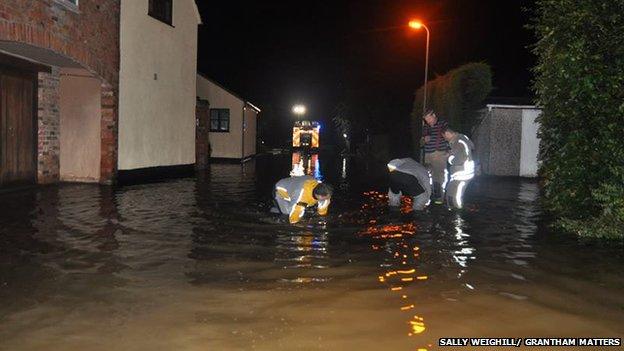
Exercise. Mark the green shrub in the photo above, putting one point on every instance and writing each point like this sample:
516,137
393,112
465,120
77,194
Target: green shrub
455,97
580,86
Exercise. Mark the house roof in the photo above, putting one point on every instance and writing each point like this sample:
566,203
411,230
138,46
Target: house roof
247,103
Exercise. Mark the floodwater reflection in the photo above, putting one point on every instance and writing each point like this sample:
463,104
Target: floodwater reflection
401,268
306,252
304,163
199,264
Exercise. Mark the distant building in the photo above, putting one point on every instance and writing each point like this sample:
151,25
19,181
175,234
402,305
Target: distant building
233,121
506,140
96,87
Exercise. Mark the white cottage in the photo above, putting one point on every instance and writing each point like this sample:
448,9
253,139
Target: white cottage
233,121
158,60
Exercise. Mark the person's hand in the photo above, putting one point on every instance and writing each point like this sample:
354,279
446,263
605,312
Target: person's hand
427,139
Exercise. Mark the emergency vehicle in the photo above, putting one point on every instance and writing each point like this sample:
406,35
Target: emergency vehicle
306,135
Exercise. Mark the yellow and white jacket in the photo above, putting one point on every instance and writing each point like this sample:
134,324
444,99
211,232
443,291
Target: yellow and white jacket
294,194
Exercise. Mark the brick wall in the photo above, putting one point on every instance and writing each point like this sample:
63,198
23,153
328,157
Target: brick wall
49,118
109,127
89,36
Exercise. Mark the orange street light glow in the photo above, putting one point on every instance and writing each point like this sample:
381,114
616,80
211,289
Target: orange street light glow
415,24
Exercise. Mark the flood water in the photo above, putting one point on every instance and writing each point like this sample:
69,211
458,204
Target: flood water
199,264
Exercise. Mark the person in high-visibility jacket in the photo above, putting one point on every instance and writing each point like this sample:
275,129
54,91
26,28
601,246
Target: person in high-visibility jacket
409,178
462,167
294,194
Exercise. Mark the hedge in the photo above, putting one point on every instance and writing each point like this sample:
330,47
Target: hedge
455,97
579,83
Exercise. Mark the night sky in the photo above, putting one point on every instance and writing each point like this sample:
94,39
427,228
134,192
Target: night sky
321,53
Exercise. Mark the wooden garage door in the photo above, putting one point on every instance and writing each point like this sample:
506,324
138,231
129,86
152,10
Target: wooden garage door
17,128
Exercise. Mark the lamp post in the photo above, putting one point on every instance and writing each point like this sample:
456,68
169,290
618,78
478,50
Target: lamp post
299,110
417,25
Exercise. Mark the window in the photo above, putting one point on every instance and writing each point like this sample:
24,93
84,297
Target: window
161,10
220,120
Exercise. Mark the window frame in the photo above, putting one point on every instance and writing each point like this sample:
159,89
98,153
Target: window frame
220,120
157,17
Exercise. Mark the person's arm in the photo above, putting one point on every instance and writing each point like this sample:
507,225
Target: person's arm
426,137
282,192
458,155
297,212
323,207
426,130
298,209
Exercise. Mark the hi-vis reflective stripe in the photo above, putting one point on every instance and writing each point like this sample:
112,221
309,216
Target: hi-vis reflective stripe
451,158
431,185
283,193
467,149
459,194
466,174
469,167
446,176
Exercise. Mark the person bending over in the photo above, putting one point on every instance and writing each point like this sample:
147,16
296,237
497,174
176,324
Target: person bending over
294,194
409,178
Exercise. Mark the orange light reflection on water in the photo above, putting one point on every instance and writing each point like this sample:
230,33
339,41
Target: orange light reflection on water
396,241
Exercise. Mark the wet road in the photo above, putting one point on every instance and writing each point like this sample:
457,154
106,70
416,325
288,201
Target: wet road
198,264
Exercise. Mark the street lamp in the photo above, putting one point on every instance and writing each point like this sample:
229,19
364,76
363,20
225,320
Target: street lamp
417,25
299,110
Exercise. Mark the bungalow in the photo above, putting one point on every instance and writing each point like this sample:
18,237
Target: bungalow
232,122
95,89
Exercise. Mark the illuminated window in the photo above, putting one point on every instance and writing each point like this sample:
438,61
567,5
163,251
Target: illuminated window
220,120
161,10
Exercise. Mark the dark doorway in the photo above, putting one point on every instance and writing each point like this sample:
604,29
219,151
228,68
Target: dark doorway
18,127
202,132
